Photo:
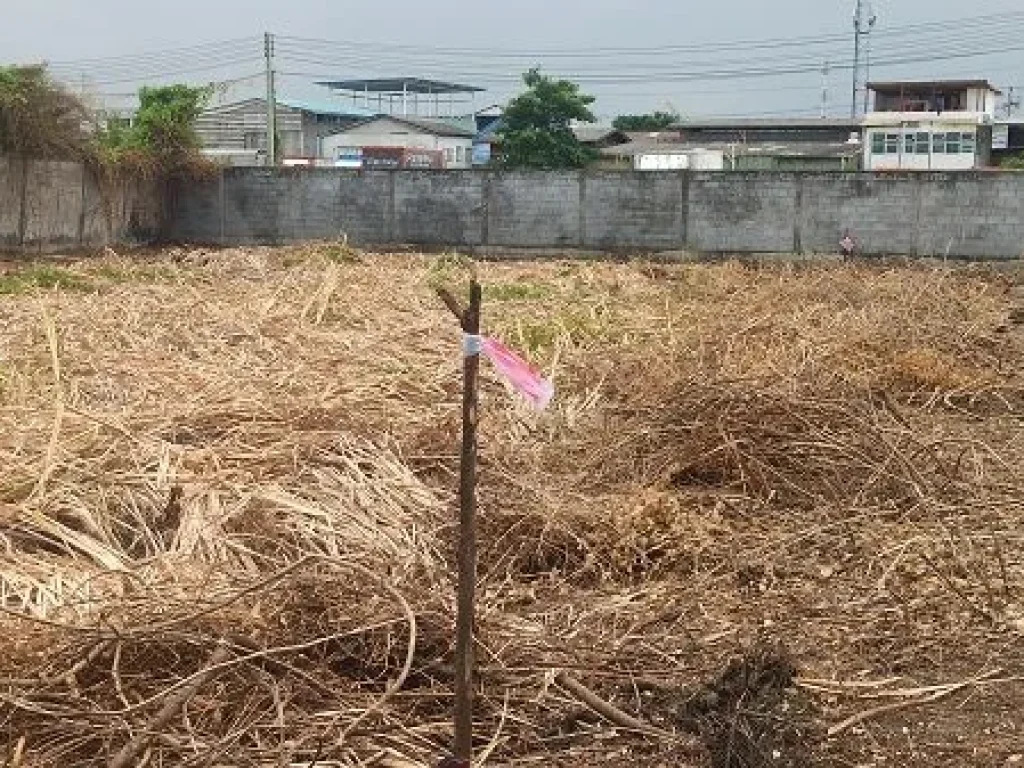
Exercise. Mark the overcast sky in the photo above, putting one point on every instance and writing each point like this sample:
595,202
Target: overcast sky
664,47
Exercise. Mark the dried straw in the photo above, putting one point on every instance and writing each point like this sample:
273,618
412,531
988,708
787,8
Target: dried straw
254,450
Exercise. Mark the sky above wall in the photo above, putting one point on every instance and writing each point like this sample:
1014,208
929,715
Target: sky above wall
730,58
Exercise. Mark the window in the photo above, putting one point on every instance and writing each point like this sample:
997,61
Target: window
952,143
916,143
255,139
459,156
449,155
892,143
967,143
939,143
878,143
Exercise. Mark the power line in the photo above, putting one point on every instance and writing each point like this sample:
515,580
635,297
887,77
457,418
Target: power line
951,25
163,74
225,52
926,50
773,60
673,75
219,45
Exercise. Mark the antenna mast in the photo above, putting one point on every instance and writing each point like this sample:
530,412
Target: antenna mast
864,20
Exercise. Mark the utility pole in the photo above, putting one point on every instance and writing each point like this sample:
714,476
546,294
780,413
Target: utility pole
1012,102
824,89
268,51
863,22
867,60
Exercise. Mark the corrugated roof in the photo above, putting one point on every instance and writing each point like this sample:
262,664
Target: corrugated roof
895,85
434,127
751,123
590,134
774,149
337,109
399,85
334,109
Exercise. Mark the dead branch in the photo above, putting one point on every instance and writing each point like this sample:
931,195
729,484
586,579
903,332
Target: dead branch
608,710
170,709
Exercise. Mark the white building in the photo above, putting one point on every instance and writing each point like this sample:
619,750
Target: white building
929,126
453,142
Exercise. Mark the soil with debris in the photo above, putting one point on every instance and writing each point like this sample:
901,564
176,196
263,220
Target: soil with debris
774,512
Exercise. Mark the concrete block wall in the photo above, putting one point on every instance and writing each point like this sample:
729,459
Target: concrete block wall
642,210
744,212
11,189
48,205
882,212
533,209
439,208
925,214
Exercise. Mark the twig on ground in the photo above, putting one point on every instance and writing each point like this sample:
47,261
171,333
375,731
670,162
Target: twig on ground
170,709
938,692
608,710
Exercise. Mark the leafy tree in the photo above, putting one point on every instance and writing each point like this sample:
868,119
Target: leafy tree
39,117
163,134
537,125
655,121
166,120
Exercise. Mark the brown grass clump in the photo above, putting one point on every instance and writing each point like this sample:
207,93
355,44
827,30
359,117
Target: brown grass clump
765,502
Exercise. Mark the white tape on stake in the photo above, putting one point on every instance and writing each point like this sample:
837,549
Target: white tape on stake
537,390
472,344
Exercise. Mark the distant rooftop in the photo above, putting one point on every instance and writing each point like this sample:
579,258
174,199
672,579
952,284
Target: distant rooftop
594,134
896,85
396,85
327,108
712,123
774,149
437,127
332,109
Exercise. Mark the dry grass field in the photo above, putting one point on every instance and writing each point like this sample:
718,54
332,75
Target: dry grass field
775,512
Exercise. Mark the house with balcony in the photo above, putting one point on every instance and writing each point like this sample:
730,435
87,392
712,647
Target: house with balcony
940,125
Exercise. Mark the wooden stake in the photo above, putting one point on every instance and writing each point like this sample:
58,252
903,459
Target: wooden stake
469,320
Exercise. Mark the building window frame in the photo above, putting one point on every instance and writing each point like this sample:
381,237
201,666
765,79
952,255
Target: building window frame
968,143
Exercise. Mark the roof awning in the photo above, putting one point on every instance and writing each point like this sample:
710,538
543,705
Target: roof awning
397,85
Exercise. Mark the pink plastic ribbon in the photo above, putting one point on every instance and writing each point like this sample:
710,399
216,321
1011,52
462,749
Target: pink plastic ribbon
537,390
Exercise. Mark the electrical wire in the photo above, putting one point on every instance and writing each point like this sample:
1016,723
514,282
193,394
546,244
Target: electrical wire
950,25
239,42
769,61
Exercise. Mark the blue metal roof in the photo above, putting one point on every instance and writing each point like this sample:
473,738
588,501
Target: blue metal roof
336,109
488,133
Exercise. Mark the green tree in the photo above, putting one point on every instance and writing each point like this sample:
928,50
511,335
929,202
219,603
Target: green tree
163,133
166,120
39,117
537,125
655,121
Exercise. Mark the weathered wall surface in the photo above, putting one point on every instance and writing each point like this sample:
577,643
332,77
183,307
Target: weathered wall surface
53,205
917,214
48,205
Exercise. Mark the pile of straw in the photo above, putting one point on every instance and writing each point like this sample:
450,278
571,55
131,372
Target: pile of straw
227,509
